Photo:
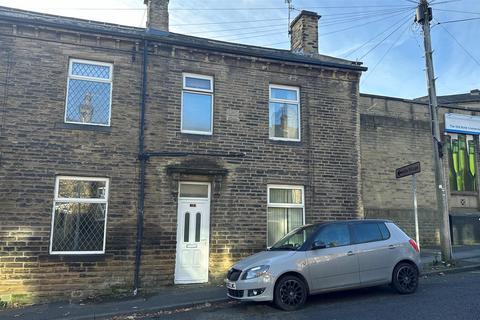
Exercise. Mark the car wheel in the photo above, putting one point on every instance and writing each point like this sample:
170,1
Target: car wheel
290,293
405,278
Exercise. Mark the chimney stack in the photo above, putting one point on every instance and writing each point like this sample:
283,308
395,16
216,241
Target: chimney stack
304,33
157,14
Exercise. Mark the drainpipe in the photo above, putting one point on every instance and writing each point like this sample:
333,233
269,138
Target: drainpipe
143,164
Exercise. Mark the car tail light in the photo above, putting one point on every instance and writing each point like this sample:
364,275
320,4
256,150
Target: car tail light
414,245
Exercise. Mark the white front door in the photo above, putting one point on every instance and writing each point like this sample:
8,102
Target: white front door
193,233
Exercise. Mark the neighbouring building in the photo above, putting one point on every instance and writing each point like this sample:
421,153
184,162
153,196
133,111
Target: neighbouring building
136,158
396,132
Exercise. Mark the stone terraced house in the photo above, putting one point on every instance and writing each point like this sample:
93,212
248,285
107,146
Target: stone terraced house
134,158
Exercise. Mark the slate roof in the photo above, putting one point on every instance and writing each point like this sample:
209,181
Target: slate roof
81,25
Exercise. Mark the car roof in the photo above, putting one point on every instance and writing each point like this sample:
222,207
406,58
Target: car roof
352,221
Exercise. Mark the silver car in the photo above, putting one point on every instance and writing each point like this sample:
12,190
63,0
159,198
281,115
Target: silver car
326,257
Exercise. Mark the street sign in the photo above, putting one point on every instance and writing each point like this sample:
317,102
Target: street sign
407,170
411,170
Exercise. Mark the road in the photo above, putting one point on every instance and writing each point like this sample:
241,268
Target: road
452,296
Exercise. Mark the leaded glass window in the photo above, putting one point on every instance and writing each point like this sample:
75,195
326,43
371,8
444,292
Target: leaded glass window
79,215
89,92
284,113
285,211
462,162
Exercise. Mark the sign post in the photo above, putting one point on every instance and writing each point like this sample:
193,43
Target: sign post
405,171
414,189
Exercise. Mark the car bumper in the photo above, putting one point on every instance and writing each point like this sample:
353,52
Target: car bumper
245,289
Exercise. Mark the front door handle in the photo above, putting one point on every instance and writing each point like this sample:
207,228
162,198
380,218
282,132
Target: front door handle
350,253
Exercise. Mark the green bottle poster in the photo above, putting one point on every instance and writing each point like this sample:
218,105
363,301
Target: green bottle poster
451,172
471,166
458,178
462,163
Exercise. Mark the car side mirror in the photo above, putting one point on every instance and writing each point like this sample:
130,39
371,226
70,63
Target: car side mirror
318,245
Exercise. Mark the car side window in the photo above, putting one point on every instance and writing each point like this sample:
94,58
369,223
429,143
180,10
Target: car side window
334,235
384,231
367,232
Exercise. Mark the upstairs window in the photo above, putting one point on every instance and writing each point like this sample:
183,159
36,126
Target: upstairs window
197,104
462,162
284,113
89,93
79,216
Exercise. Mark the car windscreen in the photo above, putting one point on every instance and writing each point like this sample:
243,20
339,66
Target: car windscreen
295,239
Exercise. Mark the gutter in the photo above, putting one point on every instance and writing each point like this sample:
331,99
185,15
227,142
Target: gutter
143,164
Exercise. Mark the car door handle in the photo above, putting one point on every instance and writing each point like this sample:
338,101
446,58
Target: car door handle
391,246
350,253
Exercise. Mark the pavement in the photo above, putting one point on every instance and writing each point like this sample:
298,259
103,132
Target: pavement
185,296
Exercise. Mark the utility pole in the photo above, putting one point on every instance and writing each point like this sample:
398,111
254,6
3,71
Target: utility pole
424,16
290,9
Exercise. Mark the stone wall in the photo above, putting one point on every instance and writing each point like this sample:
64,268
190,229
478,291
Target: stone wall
36,146
396,132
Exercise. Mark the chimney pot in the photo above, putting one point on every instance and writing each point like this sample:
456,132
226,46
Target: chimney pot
157,14
304,32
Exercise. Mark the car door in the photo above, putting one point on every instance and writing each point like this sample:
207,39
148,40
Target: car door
335,265
375,252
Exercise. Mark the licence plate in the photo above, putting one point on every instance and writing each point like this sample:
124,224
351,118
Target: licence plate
231,285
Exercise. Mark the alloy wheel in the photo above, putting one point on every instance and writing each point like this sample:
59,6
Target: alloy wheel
291,292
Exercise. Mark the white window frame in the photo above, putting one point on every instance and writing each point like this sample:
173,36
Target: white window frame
209,92
197,183
77,77
57,198
297,102
285,205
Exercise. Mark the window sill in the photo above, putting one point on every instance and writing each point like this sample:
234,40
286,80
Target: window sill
286,142
464,193
76,257
82,127
195,136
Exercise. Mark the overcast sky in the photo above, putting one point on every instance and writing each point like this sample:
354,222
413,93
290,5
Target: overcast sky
394,54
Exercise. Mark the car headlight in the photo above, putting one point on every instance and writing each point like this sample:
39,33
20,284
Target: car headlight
255,272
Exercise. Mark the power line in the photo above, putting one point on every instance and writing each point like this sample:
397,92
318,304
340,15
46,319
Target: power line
376,36
219,9
331,23
460,20
323,25
256,35
361,24
361,17
383,40
229,22
236,29
457,11
386,52
461,46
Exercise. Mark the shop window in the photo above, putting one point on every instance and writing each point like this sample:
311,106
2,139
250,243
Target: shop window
462,162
